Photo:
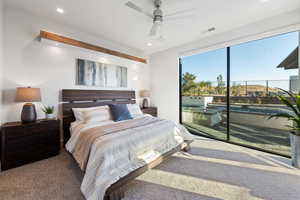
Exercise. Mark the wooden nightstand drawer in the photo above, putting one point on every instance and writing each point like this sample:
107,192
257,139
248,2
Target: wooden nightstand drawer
16,130
43,139
27,156
151,111
30,153
25,143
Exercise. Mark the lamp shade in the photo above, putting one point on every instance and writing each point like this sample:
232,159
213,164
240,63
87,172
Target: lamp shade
28,94
145,93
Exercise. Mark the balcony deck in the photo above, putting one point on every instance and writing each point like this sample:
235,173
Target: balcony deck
275,140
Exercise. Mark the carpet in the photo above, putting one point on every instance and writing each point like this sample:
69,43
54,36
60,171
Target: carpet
212,170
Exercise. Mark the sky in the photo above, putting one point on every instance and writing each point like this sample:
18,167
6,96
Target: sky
256,60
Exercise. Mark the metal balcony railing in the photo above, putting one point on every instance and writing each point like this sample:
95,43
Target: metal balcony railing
252,88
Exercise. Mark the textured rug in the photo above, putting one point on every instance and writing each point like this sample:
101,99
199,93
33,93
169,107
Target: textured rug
212,170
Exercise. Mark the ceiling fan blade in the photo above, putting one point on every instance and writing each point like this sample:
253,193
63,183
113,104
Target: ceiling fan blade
153,30
178,18
156,29
183,12
138,9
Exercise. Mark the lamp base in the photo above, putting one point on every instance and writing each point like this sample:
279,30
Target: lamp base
28,114
145,103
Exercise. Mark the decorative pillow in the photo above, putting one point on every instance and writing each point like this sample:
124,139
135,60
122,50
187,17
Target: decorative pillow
78,112
120,112
97,115
134,110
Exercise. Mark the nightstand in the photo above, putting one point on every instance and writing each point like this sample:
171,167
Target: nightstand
26,143
150,110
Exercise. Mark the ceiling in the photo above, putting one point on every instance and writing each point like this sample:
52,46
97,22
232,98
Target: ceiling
112,20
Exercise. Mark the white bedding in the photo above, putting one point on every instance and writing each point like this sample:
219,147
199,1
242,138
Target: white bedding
115,155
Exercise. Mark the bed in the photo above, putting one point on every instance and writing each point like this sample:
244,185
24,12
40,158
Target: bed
130,147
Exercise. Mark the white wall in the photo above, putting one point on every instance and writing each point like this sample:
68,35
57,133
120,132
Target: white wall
165,84
164,65
29,62
1,55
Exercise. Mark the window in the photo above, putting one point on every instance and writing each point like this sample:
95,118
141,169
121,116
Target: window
258,72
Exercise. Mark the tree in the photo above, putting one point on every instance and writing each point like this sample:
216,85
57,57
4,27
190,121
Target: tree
221,83
188,82
204,84
203,87
220,88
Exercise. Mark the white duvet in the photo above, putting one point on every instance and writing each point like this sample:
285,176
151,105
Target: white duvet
115,155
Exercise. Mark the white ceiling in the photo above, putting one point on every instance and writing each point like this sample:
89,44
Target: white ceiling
113,20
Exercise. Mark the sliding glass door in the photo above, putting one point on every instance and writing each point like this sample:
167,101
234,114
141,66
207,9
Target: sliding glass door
204,80
256,79
257,72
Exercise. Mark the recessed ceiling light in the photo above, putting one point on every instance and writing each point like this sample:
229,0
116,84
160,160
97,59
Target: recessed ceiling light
264,1
149,44
56,44
60,10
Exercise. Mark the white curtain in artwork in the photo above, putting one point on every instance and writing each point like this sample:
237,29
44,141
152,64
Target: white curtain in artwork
100,75
121,76
92,73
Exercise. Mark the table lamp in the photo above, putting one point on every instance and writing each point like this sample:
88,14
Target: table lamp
28,95
145,94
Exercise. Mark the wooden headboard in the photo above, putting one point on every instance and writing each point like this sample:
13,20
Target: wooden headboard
89,98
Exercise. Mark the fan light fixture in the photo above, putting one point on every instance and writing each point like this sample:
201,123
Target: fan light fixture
158,17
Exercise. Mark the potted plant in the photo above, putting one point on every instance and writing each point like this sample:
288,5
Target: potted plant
293,102
49,110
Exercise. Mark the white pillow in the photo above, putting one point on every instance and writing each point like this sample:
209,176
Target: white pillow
78,112
97,115
134,110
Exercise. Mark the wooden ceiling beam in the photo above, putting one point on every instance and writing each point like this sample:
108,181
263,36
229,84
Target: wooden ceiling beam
77,43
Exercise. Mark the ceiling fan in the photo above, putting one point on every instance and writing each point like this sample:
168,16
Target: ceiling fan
158,16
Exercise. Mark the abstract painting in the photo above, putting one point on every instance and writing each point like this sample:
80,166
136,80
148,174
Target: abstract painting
91,73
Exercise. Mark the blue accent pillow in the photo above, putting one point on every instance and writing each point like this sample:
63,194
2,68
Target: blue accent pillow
120,112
